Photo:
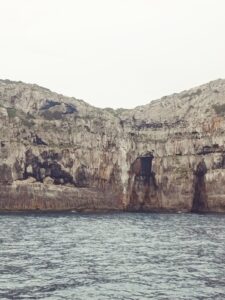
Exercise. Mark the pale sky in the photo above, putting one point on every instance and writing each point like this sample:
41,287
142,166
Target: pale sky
113,53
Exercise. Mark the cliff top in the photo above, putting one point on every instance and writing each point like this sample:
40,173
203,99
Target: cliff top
200,101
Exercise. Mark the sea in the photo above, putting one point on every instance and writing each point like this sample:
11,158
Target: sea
112,256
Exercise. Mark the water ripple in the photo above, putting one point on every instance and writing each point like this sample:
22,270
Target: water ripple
112,256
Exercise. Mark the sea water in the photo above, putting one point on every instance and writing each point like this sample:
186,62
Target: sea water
112,256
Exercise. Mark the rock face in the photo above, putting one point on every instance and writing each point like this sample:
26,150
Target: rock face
59,153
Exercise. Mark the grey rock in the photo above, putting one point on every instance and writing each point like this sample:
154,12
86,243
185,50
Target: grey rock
59,153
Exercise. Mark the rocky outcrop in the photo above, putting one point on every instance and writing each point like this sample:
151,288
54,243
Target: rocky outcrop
59,153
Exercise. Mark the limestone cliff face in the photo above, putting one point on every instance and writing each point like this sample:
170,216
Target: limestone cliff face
59,153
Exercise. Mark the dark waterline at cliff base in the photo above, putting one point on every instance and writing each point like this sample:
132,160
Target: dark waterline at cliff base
112,256
58,213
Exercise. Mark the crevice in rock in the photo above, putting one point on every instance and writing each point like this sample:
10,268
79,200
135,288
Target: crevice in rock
70,109
215,148
49,104
200,196
38,141
82,177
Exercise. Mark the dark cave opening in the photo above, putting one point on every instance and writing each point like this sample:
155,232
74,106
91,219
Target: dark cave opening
40,169
143,185
146,167
142,168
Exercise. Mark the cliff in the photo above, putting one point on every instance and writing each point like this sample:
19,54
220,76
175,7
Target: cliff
59,153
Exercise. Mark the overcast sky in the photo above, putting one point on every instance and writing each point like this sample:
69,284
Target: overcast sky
113,53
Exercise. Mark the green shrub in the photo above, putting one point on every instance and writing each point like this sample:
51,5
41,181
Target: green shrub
27,123
11,112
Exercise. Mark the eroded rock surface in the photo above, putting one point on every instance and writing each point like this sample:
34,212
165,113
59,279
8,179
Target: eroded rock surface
60,153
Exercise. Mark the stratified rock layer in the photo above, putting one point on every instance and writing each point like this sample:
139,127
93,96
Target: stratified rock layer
59,153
